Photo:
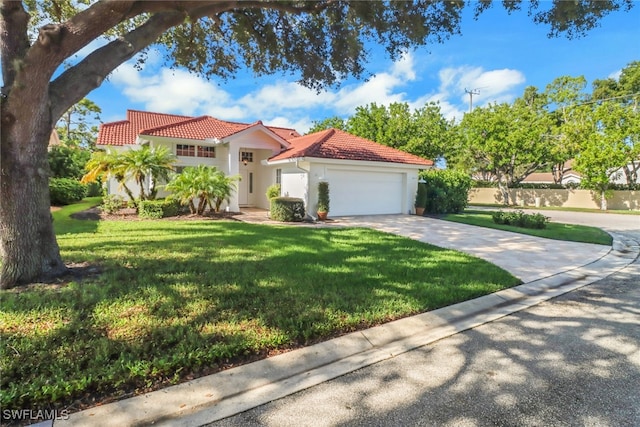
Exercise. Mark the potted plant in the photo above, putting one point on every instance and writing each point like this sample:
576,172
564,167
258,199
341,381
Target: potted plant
421,198
323,200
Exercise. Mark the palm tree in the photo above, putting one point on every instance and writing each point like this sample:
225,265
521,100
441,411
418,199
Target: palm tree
184,188
224,188
148,162
105,164
205,183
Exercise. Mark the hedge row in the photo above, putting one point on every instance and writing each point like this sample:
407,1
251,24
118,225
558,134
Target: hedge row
64,191
520,219
541,186
156,209
287,209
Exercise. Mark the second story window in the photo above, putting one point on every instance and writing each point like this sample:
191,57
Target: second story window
206,151
185,150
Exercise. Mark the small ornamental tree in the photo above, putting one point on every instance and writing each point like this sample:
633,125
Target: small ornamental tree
323,196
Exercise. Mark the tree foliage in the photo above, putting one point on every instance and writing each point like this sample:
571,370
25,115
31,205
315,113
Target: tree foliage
612,142
509,141
67,162
334,122
78,126
423,132
319,42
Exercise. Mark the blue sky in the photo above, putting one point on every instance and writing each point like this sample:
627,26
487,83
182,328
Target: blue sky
499,55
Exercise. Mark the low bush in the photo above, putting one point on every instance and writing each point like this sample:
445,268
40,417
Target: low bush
273,191
94,189
64,191
447,190
287,209
111,203
520,219
156,209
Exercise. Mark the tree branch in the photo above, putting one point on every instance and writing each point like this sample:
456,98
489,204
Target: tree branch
72,85
14,42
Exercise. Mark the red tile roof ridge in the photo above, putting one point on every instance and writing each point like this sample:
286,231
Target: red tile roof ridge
170,125
156,114
279,127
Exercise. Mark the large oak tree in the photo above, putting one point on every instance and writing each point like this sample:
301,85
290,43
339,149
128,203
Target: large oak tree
320,42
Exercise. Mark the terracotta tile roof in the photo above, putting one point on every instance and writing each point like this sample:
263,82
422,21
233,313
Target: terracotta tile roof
125,132
337,144
197,128
284,133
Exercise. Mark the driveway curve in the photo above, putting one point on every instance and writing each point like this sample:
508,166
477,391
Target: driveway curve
526,257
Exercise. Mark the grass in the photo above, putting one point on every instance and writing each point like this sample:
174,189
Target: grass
180,299
557,208
556,231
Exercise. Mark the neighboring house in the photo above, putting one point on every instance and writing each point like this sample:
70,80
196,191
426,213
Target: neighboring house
569,177
364,177
54,140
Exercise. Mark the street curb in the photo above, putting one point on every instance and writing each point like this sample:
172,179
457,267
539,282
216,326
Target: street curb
236,390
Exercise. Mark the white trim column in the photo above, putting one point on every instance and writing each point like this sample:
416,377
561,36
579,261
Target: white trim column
234,169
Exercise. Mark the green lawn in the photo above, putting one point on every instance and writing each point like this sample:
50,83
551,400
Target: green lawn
554,230
178,299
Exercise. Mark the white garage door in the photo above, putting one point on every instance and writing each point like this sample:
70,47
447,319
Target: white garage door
365,193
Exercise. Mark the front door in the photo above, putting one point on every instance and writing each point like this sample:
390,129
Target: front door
246,184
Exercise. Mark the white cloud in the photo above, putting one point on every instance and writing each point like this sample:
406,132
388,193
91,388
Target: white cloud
381,88
289,104
489,85
176,91
283,96
615,75
302,125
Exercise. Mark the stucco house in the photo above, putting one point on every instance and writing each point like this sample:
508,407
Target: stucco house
364,177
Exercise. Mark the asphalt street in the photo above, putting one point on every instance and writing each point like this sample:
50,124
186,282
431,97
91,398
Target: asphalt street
571,361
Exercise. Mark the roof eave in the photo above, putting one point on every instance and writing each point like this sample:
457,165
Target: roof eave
350,162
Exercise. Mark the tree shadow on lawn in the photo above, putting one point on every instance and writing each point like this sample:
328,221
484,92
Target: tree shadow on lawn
166,311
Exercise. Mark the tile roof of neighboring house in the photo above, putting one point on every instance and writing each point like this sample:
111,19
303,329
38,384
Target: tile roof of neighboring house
125,132
338,144
547,177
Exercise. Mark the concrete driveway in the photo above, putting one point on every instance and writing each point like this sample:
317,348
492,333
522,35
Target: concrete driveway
526,257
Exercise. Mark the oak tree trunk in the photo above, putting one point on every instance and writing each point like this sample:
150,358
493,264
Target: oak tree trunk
27,240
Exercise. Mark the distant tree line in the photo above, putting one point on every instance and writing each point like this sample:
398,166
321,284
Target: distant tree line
539,131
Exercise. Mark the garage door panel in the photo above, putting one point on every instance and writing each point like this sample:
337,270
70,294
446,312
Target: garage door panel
365,193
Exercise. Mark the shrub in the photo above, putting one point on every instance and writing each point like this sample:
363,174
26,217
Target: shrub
94,189
421,195
520,219
111,203
273,191
64,191
447,190
287,209
323,196
156,209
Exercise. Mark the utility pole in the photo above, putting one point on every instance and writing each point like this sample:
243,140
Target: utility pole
471,93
